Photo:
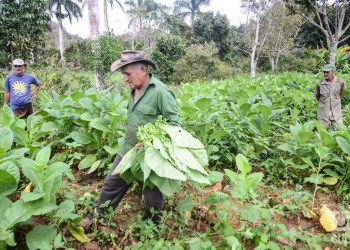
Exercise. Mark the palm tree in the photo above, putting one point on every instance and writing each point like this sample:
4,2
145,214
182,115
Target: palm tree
62,9
94,18
106,13
142,13
189,8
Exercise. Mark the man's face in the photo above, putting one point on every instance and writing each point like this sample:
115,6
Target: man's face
329,75
135,76
18,69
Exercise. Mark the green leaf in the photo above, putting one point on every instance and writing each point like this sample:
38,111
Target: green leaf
308,162
94,166
196,176
160,166
201,155
87,103
187,158
203,104
32,173
99,124
330,180
216,197
78,233
167,186
8,183
6,138
87,117
81,137
181,138
125,163
5,203
185,205
250,213
243,164
253,180
56,169
217,134
343,144
65,211
111,150
41,237
87,161
314,179
11,168
43,156
215,176
231,175
20,211
28,196
331,173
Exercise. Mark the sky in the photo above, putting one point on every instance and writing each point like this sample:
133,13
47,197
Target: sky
118,21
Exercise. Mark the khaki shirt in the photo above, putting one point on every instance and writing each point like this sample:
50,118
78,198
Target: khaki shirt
155,100
329,97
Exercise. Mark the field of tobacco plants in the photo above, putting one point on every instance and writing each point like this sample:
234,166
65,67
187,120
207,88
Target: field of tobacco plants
273,177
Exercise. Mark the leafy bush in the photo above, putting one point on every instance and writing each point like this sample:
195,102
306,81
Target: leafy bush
301,60
201,62
80,53
168,50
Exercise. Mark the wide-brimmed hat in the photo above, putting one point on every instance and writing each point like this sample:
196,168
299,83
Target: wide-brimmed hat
131,56
328,67
19,62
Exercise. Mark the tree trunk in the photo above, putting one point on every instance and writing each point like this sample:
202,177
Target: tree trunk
60,38
105,12
93,13
273,65
333,45
253,57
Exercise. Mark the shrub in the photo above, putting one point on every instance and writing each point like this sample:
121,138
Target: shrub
168,50
80,53
301,60
201,62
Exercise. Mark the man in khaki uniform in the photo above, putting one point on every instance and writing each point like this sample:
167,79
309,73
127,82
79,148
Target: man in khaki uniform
329,92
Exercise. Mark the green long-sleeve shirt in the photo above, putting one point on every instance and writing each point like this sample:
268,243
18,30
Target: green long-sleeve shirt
155,99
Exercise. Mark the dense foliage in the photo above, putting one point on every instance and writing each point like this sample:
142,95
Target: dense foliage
23,24
270,120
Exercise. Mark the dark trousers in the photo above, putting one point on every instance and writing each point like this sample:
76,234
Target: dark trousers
114,189
24,111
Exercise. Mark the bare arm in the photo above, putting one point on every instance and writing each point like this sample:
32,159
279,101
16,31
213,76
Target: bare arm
35,90
6,97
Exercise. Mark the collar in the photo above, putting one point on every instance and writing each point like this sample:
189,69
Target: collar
325,82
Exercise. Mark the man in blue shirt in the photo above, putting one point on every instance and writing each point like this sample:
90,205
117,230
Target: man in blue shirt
17,89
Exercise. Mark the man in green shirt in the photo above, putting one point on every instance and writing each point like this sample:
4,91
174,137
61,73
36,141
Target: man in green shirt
149,99
329,92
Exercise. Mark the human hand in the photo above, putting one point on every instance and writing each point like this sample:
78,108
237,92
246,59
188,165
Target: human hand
138,146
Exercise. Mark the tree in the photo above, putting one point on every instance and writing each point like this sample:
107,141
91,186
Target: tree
318,14
143,14
254,36
213,28
281,33
94,19
105,12
313,38
189,8
169,48
23,24
62,9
